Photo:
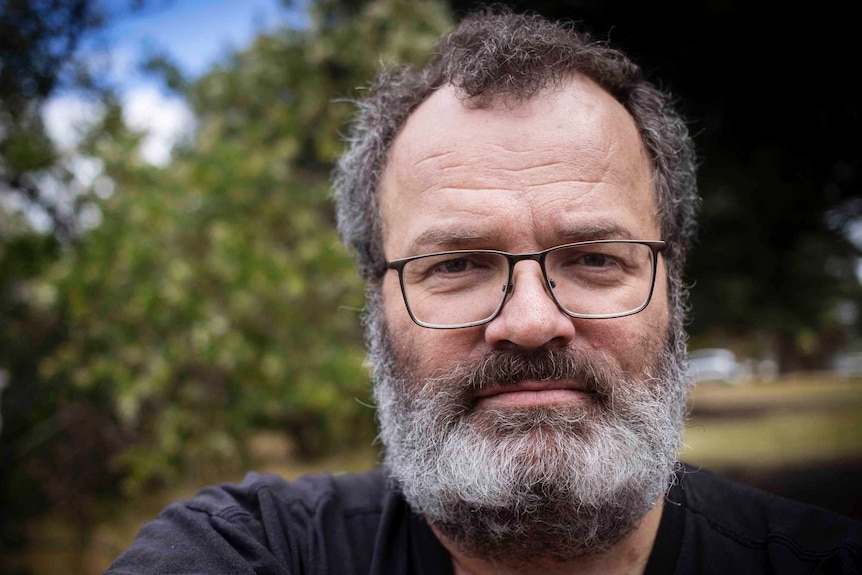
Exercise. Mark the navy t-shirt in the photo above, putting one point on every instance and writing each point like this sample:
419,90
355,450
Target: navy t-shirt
356,524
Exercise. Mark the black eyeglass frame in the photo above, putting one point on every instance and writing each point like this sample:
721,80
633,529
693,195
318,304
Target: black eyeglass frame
655,246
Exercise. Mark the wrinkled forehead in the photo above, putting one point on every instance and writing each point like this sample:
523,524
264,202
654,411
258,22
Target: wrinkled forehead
573,137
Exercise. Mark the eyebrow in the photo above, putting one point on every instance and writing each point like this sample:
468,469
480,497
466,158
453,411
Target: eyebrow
441,239
595,231
448,238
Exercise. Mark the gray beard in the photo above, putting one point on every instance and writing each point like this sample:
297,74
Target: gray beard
515,485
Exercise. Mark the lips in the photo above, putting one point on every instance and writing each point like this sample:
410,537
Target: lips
532,393
530,385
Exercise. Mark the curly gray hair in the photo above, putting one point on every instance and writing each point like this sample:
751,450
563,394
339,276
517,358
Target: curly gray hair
496,53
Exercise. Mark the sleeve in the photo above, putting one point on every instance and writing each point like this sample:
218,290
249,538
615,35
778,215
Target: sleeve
184,540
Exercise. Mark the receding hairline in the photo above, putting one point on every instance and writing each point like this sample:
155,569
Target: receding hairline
510,103
497,51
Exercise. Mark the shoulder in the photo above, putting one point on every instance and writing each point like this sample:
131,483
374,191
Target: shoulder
777,534
350,493
300,526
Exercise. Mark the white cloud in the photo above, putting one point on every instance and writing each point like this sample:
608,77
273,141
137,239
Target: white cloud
166,120
67,117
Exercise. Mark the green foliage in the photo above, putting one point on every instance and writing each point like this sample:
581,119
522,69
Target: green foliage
212,301
215,299
56,441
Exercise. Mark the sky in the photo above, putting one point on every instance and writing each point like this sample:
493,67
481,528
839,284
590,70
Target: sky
195,34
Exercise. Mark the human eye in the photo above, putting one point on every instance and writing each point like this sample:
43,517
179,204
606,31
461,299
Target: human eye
593,263
589,257
460,264
454,265
452,268
601,262
594,260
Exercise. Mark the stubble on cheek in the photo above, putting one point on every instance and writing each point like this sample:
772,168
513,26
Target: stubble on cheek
631,344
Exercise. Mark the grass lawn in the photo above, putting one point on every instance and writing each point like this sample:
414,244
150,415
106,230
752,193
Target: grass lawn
786,423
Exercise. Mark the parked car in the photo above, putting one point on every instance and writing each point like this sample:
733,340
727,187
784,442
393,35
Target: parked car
848,364
716,365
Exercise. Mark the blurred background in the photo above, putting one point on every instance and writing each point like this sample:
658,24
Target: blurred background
175,307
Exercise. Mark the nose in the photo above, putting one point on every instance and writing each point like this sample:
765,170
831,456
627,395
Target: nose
530,318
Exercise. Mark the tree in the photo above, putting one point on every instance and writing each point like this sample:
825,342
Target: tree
215,298
39,43
56,442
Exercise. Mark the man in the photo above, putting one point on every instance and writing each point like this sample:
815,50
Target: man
521,210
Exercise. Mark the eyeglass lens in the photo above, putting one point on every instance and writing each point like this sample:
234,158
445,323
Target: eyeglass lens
589,280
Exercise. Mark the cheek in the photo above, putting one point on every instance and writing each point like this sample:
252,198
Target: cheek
630,346
634,342
432,350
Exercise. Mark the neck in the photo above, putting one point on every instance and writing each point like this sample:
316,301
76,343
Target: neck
628,556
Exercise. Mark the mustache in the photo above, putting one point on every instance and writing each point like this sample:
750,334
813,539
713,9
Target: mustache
510,367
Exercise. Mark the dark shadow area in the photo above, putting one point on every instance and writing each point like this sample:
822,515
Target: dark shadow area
836,485
775,117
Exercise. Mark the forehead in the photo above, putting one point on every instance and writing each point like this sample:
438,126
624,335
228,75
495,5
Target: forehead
565,165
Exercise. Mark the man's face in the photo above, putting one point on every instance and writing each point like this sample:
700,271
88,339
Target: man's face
565,166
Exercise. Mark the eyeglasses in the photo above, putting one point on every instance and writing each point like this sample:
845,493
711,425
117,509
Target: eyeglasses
599,279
